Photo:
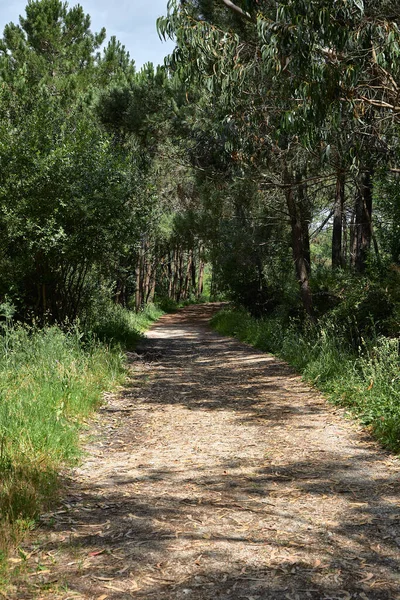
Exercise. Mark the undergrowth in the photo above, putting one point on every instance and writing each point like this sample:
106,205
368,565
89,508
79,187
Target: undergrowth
365,379
51,379
168,305
115,324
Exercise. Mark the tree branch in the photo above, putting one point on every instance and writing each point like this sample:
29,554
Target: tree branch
238,10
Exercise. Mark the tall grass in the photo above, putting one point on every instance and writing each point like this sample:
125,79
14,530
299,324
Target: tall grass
116,325
50,381
365,380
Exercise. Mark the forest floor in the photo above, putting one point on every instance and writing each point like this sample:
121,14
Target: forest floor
218,474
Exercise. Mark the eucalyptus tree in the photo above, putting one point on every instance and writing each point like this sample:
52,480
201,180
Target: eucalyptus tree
224,54
316,75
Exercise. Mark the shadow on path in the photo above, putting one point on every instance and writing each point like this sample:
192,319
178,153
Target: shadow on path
218,474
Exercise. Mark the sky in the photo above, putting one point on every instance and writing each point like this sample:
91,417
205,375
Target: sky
133,22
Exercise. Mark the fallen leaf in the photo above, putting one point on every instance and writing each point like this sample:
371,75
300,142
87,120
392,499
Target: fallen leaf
317,563
97,552
113,588
368,577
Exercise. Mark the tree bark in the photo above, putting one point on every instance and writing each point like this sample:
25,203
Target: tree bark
170,275
300,241
201,273
305,217
338,260
187,276
362,235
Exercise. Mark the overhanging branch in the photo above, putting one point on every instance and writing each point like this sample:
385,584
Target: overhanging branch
238,10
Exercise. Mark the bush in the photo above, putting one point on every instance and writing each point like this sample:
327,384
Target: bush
361,307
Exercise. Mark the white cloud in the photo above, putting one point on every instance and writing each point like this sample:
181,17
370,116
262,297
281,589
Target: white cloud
132,22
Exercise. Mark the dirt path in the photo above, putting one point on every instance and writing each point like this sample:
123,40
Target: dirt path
217,474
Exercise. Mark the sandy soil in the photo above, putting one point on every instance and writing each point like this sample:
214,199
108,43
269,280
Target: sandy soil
218,474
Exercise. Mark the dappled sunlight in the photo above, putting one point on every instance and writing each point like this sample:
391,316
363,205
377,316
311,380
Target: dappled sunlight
218,474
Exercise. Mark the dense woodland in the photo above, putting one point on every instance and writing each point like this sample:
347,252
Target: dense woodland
267,147
260,165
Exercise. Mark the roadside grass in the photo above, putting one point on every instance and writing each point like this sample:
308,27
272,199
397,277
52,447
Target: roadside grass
116,325
167,305
51,380
365,380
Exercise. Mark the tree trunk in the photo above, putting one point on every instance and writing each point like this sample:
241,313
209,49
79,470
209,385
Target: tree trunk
305,217
338,260
300,242
139,278
146,272
362,235
170,274
180,276
152,289
201,273
187,276
193,273
138,300
175,275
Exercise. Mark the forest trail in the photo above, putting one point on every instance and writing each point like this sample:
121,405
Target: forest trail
218,474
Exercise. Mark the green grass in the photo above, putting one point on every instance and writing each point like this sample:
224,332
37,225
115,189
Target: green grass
167,305
366,381
50,382
116,325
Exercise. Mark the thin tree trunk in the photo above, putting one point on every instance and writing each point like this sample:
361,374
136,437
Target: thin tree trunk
170,275
363,221
300,245
139,279
338,222
201,273
345,241
137,288
175,274
180,275
152,289
305,217
146,274
193,274
187,276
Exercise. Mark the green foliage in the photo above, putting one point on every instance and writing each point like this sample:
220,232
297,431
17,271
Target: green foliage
388,216
169,305
49,382
361,307
119,326
366,381
65,187
249,250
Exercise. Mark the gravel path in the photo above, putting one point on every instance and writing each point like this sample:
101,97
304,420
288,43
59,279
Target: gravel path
218,474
